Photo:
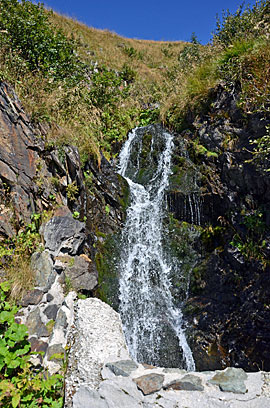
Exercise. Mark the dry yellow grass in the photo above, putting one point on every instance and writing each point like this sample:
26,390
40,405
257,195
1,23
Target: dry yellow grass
21,277
151,60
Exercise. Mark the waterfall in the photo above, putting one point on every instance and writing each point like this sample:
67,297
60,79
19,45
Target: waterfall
146,303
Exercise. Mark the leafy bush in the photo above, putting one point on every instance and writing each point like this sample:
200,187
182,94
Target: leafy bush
261,153
245,23
21,385
105,87
190,55
25,30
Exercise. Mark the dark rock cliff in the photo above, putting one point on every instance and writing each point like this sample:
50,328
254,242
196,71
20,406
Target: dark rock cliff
228,308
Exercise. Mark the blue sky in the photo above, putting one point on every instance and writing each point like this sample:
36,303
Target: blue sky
168,20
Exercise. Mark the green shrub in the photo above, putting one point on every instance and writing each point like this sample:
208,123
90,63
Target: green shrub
26,31
190,55
21,385
245,23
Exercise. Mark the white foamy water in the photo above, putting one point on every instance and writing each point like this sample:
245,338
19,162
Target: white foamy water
146,304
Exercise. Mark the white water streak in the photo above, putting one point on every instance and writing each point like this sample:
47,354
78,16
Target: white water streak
146,303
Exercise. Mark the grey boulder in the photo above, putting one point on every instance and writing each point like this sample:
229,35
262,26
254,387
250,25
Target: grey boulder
87,398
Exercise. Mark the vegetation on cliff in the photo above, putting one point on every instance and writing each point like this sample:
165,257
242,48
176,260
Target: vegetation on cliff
91,87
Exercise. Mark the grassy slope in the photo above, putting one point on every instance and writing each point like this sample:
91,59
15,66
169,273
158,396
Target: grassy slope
96,111
70,110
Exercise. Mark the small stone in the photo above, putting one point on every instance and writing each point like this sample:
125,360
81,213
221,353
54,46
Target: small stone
122,367
86,397
61,321
82,273
174,371
38,345
188,383
51,312
35,325
62,233
231,380
32,297
148,366
56,352
49,297
149,383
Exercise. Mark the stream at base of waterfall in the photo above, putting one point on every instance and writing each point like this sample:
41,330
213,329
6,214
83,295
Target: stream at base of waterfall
147,308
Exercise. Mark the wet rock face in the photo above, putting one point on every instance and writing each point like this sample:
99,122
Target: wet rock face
227,310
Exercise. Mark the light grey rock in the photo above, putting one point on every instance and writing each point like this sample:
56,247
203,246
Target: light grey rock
260,402
231,380
188,383
122,367
97,334
87,398
174,371
162,402
107,374
42,265
149,383
62,233
116,396
126,385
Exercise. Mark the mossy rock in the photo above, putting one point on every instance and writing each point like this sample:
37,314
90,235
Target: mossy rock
106,258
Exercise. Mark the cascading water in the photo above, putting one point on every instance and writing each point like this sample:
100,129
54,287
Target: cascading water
146,303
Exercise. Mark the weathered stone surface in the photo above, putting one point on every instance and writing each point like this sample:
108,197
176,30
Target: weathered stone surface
35,325
228,323
117,396
149,383
188,383
42,266
80,271
96,336
32,297
87,398
51,311
122,367
231,380
62,233
6,229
